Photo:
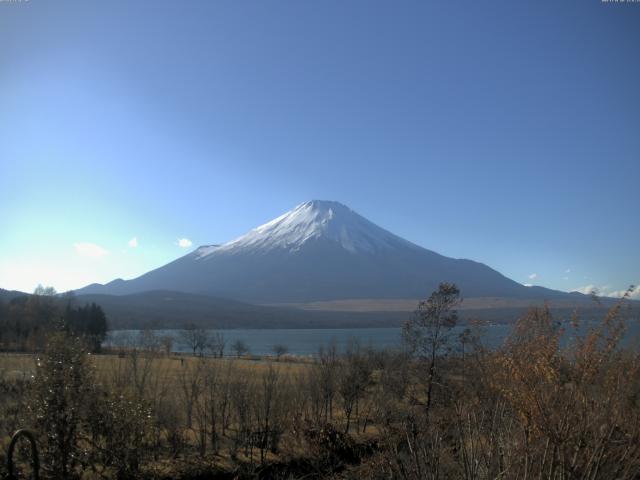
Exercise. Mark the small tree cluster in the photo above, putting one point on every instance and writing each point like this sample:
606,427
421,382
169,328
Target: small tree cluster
25,322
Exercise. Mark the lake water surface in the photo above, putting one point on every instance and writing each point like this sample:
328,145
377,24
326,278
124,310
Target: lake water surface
309,341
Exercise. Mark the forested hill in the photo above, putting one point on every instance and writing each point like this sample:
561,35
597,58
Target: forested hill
163,309
26,320
7,295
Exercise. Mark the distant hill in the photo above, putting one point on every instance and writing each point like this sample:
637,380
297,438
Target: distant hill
321,251
166,309
161,309
7,295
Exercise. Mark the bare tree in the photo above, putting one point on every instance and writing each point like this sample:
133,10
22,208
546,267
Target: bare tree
326,375
280,349
268,410
137,369
354,374
210,403
241,397
240,348
195,338
217,344
166,343
428,333
190,382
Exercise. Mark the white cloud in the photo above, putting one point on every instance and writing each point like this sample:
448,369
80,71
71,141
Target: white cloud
635,293
184,242
568,270
528,285
90,250
588,289
605,291
532,276
133,243
565,278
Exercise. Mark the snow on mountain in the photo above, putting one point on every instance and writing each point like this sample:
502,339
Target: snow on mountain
316,219
320,250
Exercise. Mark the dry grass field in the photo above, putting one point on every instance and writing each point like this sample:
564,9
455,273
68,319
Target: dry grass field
170,368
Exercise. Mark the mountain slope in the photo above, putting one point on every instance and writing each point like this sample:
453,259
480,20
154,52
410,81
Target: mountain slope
8,295
165,309
319,251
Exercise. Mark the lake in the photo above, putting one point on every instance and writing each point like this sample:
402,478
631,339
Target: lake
308,341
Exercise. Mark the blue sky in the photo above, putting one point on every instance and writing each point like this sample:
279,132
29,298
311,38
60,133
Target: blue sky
505,132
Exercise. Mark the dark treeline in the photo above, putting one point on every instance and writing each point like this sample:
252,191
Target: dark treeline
26,321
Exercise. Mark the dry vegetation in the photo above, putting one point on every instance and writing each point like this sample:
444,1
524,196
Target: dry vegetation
447,408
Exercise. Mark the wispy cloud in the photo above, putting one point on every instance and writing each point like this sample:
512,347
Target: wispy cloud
90,250
133,243
635,293
532,276
605,291
587,289
184,242
568,270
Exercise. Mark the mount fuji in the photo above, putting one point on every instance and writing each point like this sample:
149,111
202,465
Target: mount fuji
320,251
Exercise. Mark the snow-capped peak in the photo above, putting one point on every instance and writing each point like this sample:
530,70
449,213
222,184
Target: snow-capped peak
316,219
